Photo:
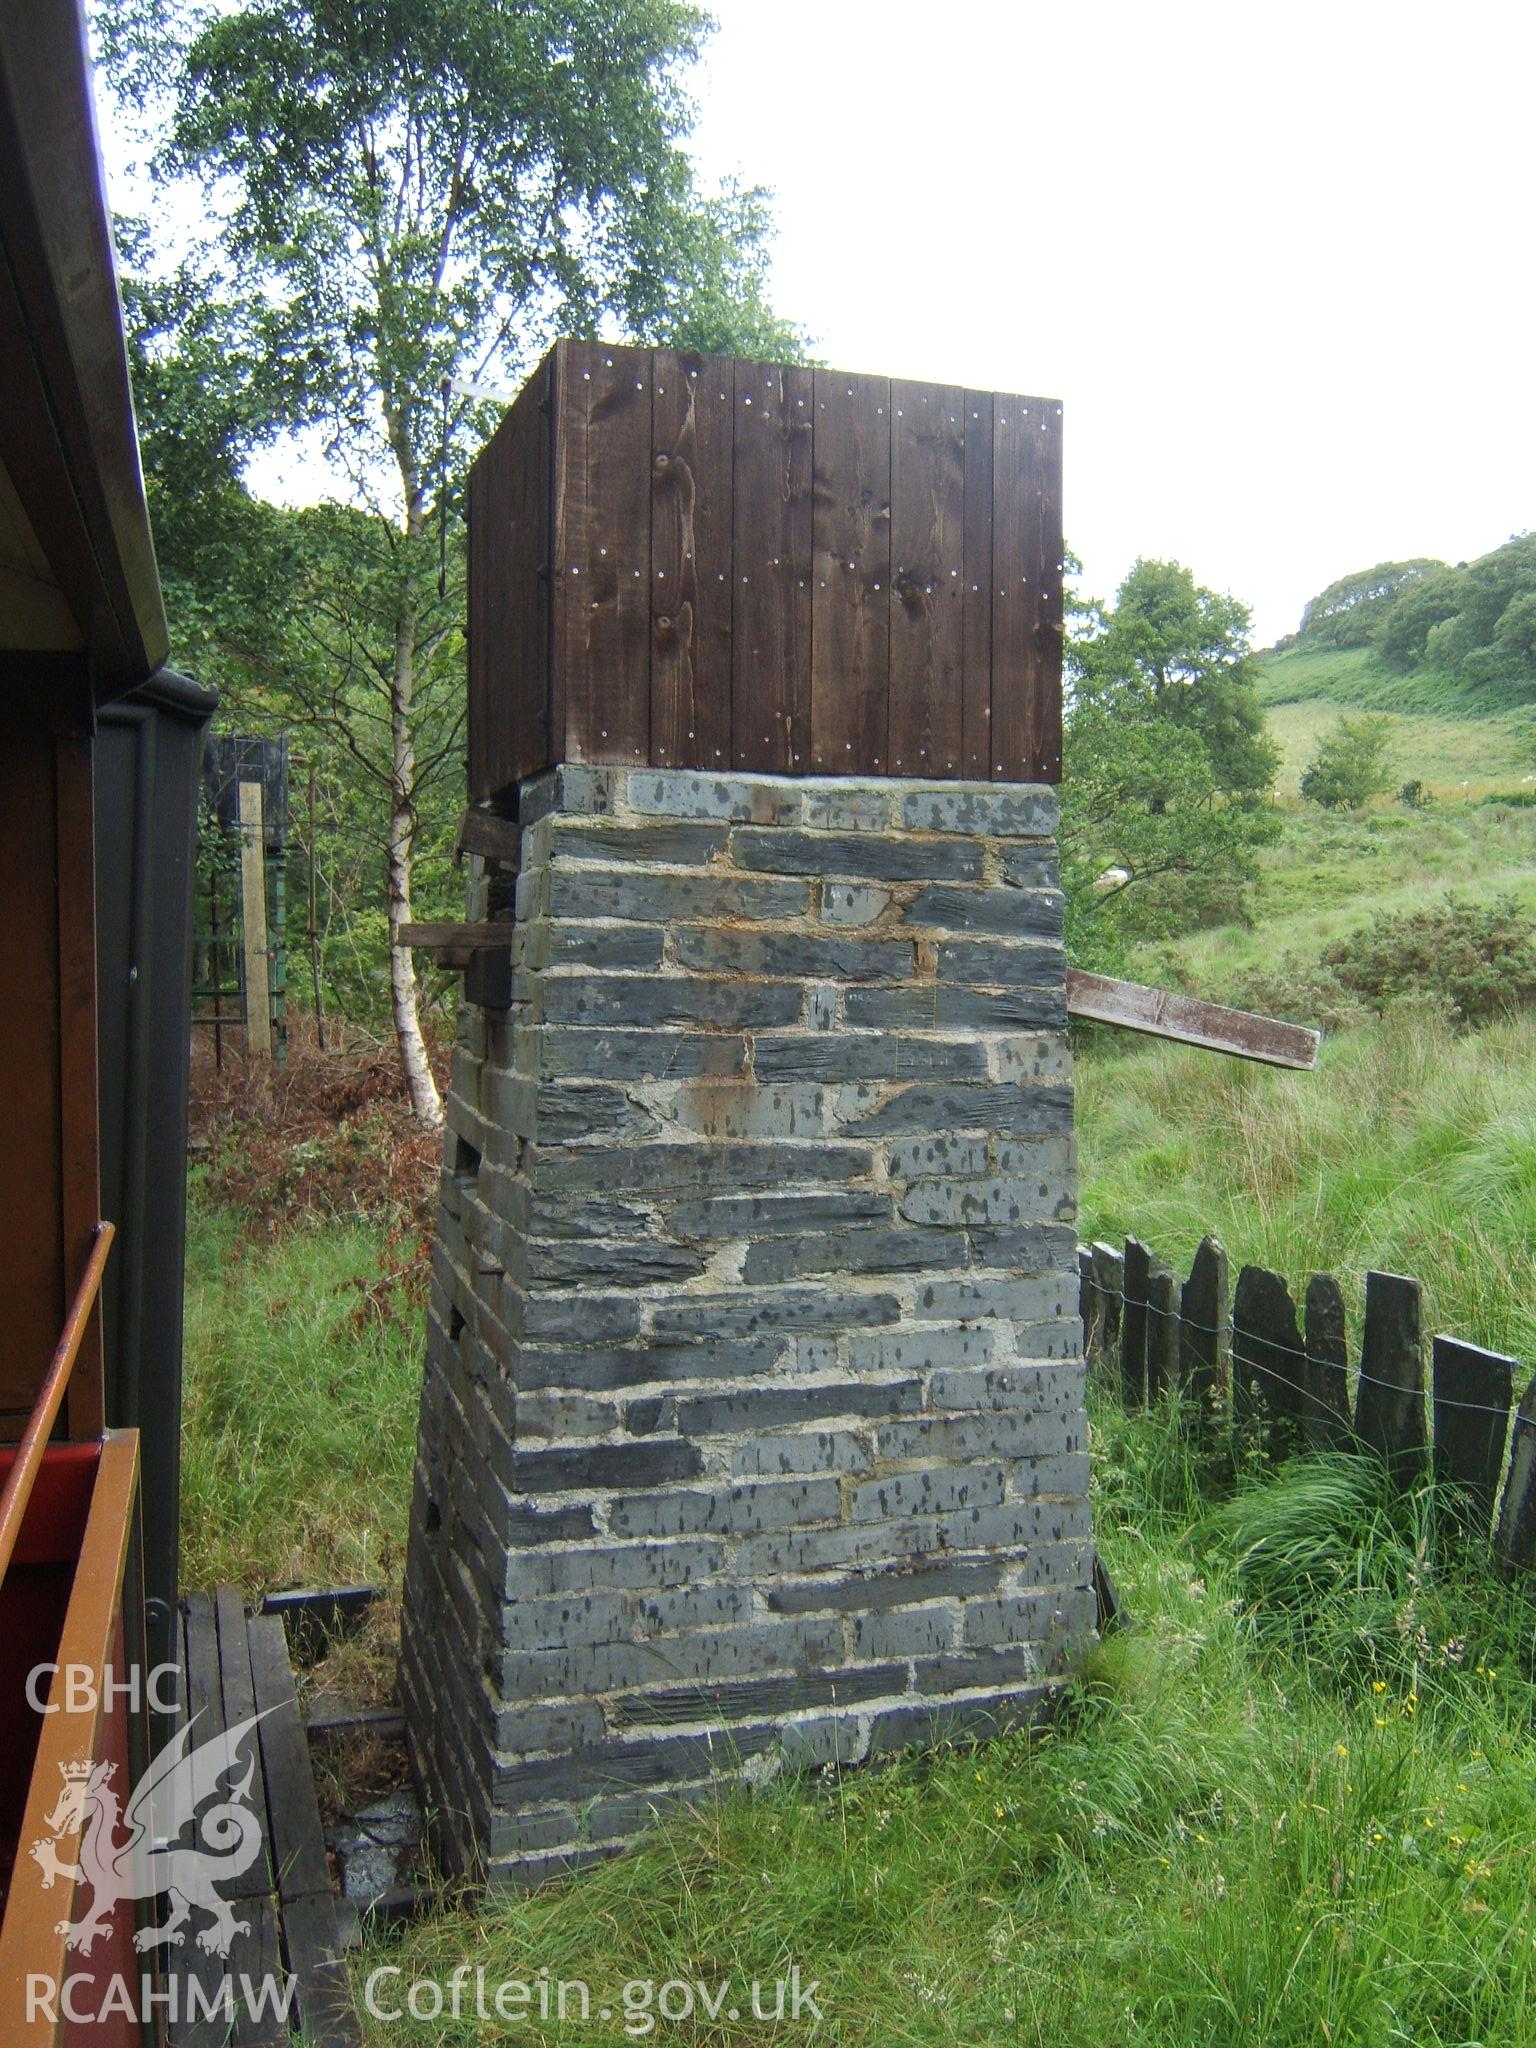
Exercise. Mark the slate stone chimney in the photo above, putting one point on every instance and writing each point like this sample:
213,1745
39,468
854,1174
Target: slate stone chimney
752,1432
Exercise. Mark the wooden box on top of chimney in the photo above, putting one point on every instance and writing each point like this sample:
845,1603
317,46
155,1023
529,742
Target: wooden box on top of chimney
688,561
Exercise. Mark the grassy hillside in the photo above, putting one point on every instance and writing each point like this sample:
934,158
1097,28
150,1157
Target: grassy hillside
1330,873
1458,742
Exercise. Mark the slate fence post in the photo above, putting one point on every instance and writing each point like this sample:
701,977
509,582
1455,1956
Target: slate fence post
1243,1357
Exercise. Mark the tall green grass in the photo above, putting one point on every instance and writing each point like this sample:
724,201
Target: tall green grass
1410,1148
299,1405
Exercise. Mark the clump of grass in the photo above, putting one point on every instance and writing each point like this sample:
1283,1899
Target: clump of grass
299,1412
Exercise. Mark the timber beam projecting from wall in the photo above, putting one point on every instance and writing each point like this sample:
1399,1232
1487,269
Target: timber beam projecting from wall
1165,1014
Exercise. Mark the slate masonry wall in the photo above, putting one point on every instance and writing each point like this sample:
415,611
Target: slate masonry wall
752,1431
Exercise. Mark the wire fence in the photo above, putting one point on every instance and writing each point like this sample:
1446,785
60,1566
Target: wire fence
1242,1356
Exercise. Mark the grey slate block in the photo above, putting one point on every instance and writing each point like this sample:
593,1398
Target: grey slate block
644,1001
855,1251
1004,913
864,1055
717,949
647,1363
853,903
776,1215
800,1451
912,1158
957,1106
629,1055
856,856
732,1510
788,1308
591,1467
686,1168
582,891
987,811
684,794
665,845
588,1262
631,949
998,963
948,1006
977,1202
869,1592
1046,1298
696,1415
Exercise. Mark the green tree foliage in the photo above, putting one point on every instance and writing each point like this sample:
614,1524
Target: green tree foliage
1167,763
1350,612
1174,650
1402,633
1475,622
406,198
1350,765
1488,637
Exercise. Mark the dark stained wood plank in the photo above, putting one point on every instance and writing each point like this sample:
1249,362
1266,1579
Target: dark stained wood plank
491,837
1163,1013
1026,589
1133,1324
1326,1423
239,1697
851,593
925,734
771,606
1205,1334
1516,1538
256,1957
298,1843
434,937
204,1693
1472,1390
326,2008
977,691
1044,746
1389,1401
510,733
601,580
205,1711
1268,1356
692,455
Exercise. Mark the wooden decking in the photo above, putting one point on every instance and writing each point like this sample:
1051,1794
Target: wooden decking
235,1665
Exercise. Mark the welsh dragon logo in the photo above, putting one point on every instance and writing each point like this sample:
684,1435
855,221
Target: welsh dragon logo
137,1853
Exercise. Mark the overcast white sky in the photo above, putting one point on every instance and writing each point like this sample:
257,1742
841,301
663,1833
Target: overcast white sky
1276,260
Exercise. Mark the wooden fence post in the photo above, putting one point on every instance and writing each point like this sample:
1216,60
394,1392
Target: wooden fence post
1325,1422
253,921
1133,1324
1389,1402
1472,1392
1205,1333
1516,1540
1163,1301
1267,1355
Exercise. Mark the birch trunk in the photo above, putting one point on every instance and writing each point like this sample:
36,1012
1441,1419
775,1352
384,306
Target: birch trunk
404,991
